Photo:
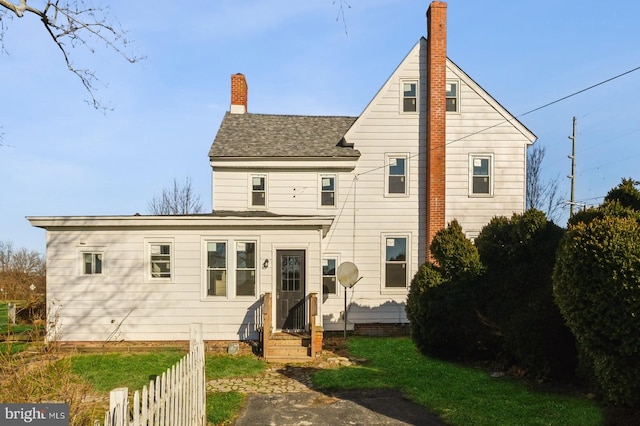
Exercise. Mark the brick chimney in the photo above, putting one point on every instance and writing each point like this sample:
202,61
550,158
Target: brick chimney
238,94
436,119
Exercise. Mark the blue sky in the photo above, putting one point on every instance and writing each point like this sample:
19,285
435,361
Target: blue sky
62,157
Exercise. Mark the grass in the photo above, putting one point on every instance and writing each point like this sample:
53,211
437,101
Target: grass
6,329
108,371
113,370
458,395
222,407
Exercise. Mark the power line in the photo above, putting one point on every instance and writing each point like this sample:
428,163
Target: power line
581,91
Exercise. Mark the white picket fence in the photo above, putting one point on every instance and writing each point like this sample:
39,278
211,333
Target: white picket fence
177,398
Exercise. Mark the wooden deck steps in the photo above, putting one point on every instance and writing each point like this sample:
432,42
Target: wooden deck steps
289,348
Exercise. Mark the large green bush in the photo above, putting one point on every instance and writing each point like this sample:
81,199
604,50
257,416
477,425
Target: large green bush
441,300
597,287
518,254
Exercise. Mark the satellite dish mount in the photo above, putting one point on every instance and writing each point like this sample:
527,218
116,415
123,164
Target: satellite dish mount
348,277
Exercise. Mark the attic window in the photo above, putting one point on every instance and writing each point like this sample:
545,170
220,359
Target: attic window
452,96
409,96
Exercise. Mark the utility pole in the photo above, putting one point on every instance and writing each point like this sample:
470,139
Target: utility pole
573,167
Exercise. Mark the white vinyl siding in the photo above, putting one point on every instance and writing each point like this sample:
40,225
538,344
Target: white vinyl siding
482,128
127,307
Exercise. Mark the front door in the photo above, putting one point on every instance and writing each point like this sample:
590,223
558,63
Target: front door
290,306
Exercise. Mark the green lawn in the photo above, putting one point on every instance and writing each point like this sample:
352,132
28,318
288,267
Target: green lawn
459,395
15,329
108,371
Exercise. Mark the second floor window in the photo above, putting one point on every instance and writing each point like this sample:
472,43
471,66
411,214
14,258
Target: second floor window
328,191
258,191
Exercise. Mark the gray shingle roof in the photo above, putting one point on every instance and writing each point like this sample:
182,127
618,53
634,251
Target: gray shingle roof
267,135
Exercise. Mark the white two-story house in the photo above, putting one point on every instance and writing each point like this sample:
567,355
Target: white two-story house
294,197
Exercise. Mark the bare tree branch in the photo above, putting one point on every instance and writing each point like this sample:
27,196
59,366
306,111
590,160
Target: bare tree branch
541,195
71,24
342,4
178,200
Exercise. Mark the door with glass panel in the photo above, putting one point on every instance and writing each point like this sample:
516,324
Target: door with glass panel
290,301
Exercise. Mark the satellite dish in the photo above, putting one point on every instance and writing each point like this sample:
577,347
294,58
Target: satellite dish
348,274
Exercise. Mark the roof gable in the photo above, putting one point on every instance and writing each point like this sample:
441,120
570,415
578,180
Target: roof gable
508,117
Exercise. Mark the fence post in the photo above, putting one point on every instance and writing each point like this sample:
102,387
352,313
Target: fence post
195,335
11,313
196,348
118,406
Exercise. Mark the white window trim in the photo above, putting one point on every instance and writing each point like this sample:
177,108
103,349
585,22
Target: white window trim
457,83
148,242
383,261
231,243
401,91
491,174
387,168
93,250
266,191
335,190
339,287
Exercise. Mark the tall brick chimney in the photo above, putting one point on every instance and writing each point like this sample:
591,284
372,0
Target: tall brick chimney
239,91
436,119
